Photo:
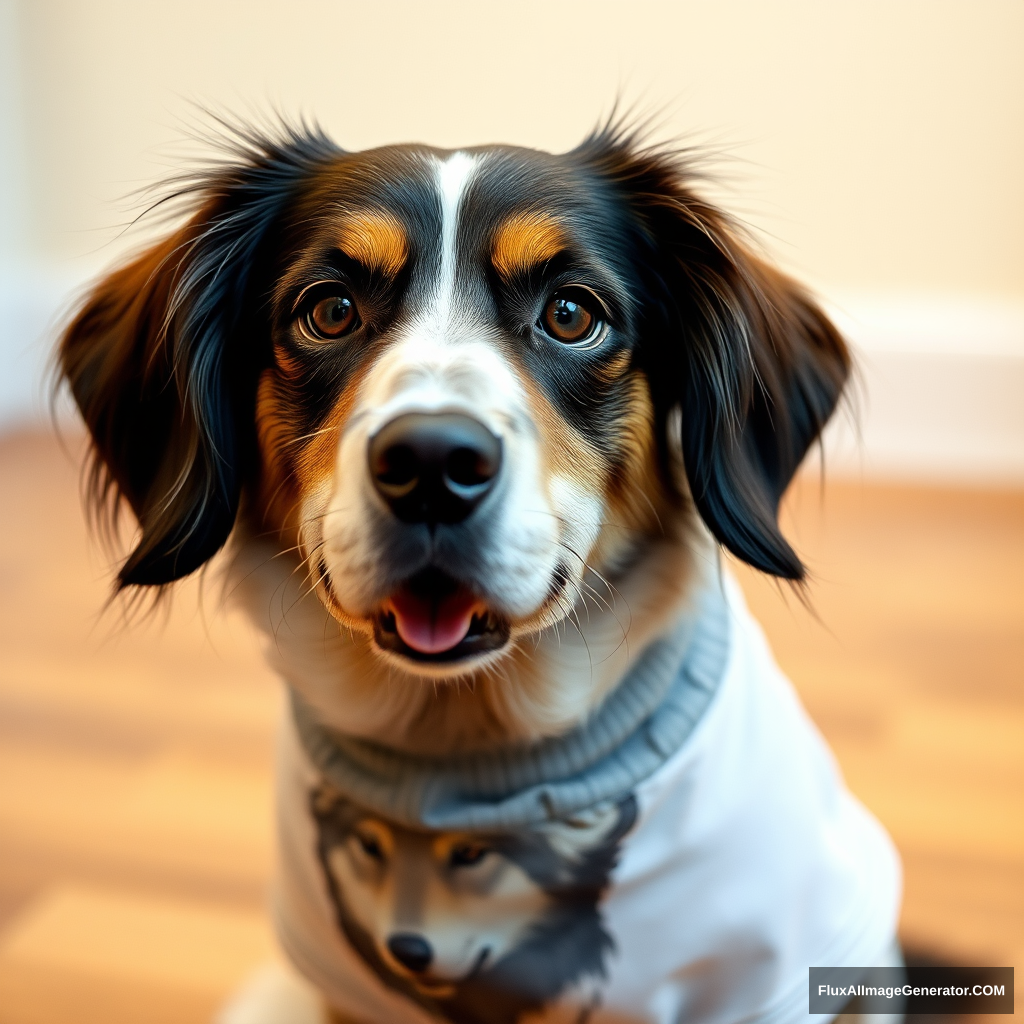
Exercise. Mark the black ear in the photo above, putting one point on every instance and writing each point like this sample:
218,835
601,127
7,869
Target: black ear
753,363
164,355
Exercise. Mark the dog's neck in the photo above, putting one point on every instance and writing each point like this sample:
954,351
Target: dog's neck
544,686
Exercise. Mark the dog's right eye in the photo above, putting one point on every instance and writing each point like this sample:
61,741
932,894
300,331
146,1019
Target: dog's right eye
327,313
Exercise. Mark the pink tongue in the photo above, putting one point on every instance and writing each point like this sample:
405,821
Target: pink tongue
431,628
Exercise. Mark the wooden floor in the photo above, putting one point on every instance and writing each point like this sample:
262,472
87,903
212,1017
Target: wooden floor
134,764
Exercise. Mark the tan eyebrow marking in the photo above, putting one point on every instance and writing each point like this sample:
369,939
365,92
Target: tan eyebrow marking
525,240
376,240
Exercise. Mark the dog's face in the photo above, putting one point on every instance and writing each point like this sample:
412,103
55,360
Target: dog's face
472,389
454,420
448,916
437,907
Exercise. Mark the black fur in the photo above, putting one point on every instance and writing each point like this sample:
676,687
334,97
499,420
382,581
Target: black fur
163,359
755,366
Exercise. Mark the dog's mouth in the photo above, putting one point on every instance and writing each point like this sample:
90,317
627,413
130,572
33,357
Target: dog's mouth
433,617
446,988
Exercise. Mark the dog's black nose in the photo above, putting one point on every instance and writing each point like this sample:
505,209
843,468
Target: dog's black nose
412,951
434,467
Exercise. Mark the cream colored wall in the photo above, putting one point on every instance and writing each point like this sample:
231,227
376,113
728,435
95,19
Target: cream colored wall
879,144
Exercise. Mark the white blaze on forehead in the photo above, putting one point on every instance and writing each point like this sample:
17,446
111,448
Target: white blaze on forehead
445,357
453,175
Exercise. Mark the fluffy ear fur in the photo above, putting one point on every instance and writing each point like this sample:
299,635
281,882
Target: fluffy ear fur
164,355
753,363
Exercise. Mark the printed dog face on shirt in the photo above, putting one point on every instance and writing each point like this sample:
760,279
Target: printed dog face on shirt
477,928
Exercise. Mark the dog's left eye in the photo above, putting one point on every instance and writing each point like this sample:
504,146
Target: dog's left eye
328,316
467,854
370,846
571,316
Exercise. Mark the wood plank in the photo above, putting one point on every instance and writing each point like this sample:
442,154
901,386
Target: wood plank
173,812
135,781
87,955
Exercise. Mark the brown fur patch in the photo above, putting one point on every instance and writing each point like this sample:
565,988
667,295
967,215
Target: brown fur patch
376,239
565,451
293,465
631,485
275,432
525,240
636,494
608,373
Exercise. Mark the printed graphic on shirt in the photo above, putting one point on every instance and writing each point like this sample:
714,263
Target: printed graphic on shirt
477,929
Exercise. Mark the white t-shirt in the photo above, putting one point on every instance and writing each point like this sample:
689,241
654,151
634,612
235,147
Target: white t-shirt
745,862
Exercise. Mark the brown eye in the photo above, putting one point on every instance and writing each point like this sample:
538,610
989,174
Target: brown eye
371,847
331,317
465,855
568,318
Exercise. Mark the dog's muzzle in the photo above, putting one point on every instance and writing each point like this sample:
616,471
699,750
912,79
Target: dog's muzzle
434,469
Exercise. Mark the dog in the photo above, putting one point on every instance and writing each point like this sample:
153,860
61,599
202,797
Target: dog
473,427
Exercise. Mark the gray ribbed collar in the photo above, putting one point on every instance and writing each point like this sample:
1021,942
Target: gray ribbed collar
638,727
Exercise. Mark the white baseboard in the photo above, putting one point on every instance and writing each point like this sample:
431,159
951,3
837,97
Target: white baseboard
931,416
939,391
33,301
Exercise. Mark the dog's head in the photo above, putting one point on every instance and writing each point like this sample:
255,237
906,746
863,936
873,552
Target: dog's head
460,920
457,382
